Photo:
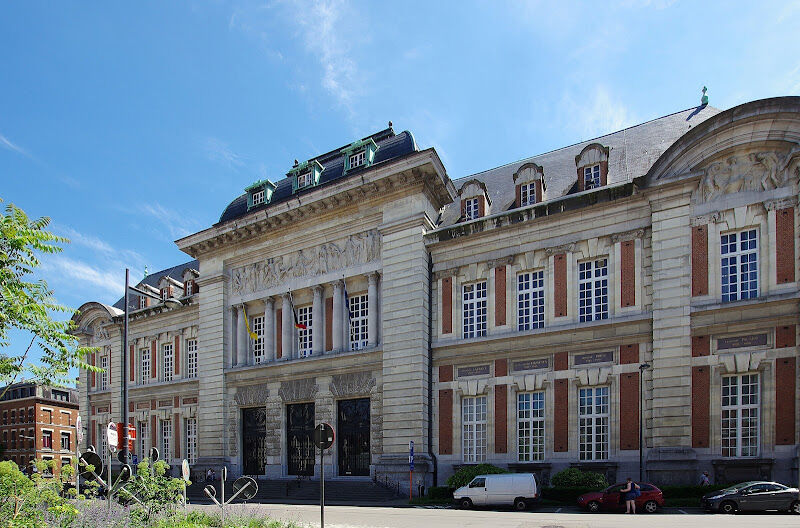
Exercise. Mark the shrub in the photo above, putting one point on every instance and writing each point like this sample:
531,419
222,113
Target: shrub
575,478
440,493
35,501
463,476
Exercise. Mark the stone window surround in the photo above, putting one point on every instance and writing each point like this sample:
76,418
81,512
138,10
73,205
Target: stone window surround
165,337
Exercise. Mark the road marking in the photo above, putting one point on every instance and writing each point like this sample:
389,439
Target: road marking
558,510
683,512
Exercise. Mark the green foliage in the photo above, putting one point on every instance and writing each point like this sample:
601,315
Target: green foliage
28,305
35,501
575,478
440,492
156,491
463,476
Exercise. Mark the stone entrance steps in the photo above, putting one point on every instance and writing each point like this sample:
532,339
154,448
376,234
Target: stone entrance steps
305,491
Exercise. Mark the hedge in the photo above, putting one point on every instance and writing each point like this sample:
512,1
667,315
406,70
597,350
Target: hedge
464,476
440,493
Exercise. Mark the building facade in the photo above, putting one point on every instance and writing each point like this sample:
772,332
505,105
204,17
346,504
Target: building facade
38,423
526,316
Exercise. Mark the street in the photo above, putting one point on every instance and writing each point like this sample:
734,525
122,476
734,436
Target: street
421,517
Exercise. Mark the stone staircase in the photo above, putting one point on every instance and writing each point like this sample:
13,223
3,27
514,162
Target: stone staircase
305,492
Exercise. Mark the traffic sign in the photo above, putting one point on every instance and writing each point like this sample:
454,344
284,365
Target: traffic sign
79,427
185,470
323,436
411,455
135,460
112,436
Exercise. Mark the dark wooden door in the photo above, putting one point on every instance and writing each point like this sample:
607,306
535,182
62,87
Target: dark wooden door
353,437
299,438
254,440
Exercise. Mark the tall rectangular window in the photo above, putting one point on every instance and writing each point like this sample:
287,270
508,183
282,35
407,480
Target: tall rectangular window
304,180
189,288
530,426
739,252
740,415
593,290
471,209
144,365
357,159
191,440
591,177
101,435
258,342
166,438
304,335
65,443
191,358
474,309
142,302
169,361
359,321
473,422
527,194
530,300
143,434
104,374
593,430
258,197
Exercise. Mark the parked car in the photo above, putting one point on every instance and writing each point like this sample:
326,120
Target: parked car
517,489
610,499
753,496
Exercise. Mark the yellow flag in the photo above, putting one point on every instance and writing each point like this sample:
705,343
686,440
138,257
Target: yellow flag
253,335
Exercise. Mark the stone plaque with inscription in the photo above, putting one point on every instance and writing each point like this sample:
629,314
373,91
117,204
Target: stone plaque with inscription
593,357
725,343
530,364
165,403
476,370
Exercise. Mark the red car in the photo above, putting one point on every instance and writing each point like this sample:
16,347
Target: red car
611,499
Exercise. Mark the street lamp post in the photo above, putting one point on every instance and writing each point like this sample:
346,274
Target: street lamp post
642,368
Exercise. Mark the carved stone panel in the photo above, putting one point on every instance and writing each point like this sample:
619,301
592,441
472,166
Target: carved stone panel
251,395
352,384
298,390
757,171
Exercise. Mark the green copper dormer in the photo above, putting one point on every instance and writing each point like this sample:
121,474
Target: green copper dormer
305,174
360,153
259,193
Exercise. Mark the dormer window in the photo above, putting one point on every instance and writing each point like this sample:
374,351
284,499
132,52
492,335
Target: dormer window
527,194
591,177
305,179
358,159
475,201
359,154
259,193
142,302
305,175
189,288
165,294
258,198
471,209
592,165
529,184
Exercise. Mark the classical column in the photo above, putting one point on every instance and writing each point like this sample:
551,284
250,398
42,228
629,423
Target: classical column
287,330
269,329
372,309
317,321
338,315
241,338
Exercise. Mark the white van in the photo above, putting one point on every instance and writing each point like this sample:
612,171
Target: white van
517,489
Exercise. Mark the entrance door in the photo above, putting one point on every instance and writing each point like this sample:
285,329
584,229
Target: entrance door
254,440
353,437
299,438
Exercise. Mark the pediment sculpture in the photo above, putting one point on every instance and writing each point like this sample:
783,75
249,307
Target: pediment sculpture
757,171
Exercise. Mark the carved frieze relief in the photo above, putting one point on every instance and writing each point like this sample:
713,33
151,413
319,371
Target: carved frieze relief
352,384
298,390
354,250
627,235
756,171
564,248
251,395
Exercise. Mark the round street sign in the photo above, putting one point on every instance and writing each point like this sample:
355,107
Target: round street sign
185,470
112,436
78,426
90,458
323,436
247,485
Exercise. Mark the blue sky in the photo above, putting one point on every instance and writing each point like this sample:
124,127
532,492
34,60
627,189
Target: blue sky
131,128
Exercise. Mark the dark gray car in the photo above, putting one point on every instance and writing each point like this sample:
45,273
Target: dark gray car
753,496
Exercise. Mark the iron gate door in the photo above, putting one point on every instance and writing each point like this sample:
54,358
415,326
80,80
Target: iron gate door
299,438
353,437
254,440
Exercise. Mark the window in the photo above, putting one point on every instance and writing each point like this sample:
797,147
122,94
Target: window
47,415
66,418
191,358
142,302
530,426
144,362
474,428
31,439
30,415
166,436
740,415
169,361
104,374
304,335
66,461
530,300
359,321
13,417
593,423
65,443
593,290
60,395
474,309
471,210
5,417
478,482
189,287
527,194
47,439
258,197
591,177
143,435
164,294
258,343
739,253
191,440
14,440
305,179
48,470
358,159
101,435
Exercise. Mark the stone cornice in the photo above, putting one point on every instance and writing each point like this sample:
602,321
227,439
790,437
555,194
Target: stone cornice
627,235
780,203
563,248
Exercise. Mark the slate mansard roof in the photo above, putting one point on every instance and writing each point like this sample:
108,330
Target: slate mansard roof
632,151
390,146
175,272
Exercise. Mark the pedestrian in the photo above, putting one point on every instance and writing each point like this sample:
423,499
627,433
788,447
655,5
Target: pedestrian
630,492
704,481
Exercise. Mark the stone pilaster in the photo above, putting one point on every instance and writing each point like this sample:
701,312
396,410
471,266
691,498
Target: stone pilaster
372,317
269,329
317,321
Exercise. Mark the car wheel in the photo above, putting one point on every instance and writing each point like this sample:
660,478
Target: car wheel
593,506
465,503
728,507
651,506
795,507
520,505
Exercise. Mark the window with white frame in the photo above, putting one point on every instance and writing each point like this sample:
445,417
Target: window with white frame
474,309
739,266
358,159
189,287
65,443
191,440
473,425
305,179
258,343
166,438
527,194
101,434
142,302
471,209
258,197
143,434
304,335
593,290
168,361
191,358
359,321
104,374
530,426
144,365
740,415
530,300
591,177
593,432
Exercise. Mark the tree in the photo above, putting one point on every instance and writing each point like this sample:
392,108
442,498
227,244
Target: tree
28,305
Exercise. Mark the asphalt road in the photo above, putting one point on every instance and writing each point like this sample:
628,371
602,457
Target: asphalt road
383,517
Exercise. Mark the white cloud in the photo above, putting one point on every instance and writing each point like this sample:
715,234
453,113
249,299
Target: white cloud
9,145
594,114
220,152
177,224
66,269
